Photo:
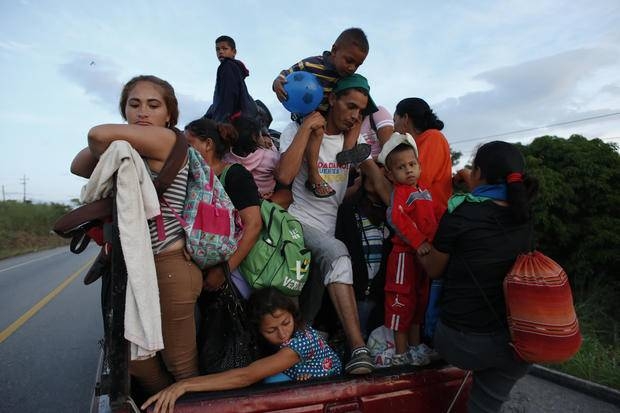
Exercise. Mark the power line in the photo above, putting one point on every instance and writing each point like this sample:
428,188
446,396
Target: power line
535,128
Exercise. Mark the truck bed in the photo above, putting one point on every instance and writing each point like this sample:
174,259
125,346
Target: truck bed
394,390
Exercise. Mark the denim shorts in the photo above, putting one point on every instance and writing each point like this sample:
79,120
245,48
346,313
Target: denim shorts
330,264
330,257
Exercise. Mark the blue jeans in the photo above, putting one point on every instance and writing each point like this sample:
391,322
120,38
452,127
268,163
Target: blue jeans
494,364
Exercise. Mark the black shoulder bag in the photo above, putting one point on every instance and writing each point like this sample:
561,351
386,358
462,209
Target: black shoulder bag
225,337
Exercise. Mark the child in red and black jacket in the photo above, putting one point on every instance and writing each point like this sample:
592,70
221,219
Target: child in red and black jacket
413,217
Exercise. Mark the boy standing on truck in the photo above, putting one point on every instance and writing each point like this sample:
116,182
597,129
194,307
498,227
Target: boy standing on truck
230,97
412,216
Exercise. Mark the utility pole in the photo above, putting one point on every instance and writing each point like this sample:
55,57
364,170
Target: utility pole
3,196
24,179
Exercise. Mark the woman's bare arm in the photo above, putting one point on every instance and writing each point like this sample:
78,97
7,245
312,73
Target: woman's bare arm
384,133
377,183
282,197
434,262
252,224
84,163
152,142
230,379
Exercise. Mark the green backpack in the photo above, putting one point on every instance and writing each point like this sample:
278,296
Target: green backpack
279,258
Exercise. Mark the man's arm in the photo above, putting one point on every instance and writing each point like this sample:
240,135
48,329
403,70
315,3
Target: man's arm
291,159
377,182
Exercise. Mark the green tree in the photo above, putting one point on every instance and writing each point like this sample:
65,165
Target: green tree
577,212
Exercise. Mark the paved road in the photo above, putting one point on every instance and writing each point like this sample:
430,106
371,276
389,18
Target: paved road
48,363
533,395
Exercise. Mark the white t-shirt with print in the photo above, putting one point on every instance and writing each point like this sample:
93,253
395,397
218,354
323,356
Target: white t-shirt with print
311,210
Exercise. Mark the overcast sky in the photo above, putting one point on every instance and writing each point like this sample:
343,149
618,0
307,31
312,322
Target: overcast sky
486,67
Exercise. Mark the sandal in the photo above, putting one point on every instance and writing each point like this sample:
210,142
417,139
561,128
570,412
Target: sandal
357,154
315,188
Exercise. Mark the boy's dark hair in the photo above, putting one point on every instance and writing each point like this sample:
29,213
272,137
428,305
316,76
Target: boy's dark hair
353,37
167,92
223,135
399,148
496,161
269,300
228,40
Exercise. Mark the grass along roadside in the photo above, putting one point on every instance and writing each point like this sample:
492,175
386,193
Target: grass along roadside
598,359
595,361
26,227
22,243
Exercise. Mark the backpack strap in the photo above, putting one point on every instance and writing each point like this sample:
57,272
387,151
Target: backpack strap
222,176
373,125
172,165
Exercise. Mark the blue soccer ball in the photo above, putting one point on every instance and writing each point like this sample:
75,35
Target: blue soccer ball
304,91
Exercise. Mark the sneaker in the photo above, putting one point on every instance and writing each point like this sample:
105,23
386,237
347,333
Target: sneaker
360,362
431,353
401,359
357,154
418,358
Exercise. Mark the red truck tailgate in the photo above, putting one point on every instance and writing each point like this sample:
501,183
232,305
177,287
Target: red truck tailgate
392,391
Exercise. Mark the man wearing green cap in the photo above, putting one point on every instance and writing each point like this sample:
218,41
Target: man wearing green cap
331,264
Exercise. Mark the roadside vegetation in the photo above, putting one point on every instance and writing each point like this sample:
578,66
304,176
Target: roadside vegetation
26,227
577,222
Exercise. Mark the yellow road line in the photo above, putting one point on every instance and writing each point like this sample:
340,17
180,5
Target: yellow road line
6,333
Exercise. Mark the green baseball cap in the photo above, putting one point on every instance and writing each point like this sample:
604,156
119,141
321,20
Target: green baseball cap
357,81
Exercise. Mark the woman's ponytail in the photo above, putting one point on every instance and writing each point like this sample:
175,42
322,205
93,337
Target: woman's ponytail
502,163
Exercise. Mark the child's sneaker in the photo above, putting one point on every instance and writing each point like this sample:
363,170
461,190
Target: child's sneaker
401,359
357,154
431,353
418,358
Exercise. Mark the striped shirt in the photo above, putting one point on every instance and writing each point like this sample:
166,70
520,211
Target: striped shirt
323,69
175,196
372,243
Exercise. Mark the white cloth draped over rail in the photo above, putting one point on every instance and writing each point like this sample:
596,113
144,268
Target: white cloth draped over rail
136,201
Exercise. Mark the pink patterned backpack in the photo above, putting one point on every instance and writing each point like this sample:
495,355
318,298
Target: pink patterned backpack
212,225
